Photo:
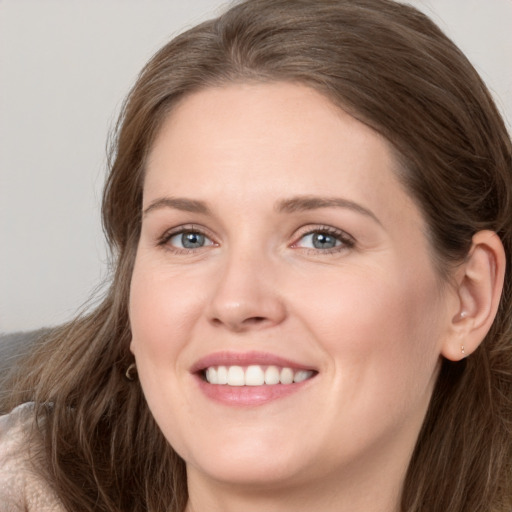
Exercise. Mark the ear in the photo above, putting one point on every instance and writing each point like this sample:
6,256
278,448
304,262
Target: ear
479,283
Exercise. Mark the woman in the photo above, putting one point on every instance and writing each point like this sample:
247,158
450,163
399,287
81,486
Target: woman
310,206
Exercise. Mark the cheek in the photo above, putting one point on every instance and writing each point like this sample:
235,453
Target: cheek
373,326
160,317
162,310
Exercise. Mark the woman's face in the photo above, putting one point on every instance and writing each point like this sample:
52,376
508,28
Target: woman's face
277,244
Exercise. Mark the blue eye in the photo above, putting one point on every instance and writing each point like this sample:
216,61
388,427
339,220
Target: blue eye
325,239
320,241
189,240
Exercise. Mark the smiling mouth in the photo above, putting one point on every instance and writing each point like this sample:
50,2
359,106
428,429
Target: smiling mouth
255,375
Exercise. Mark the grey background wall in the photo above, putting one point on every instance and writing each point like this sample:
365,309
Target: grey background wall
65,67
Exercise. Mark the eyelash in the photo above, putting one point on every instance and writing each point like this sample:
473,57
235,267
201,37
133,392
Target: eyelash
346,241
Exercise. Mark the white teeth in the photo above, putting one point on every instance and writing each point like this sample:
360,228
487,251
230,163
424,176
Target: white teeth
236,376
222,375
212,375
255,375
302,375
272,375
286,376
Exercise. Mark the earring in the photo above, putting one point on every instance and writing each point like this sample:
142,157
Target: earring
463,314
462,350
131,372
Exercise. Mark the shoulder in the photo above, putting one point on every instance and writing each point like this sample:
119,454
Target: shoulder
21,487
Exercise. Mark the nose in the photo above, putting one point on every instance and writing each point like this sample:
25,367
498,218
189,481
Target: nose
246,296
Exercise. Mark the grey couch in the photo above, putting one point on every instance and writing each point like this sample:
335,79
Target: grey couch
13,346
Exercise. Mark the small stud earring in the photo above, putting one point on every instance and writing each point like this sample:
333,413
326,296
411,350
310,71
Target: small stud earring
131,372
462,350
463,314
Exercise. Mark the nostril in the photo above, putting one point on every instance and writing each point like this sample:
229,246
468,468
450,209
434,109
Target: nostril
244,324
254,320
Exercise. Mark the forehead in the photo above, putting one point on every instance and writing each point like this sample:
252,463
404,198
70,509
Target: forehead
267,125
267,140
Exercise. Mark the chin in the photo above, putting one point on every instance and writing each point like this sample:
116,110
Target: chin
250,471
260,462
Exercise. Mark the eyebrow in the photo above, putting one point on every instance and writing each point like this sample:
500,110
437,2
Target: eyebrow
304,203
178,203
294,204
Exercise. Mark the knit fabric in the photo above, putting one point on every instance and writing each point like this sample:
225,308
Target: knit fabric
22,489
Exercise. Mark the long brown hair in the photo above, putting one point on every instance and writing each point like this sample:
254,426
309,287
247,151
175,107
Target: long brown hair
392,68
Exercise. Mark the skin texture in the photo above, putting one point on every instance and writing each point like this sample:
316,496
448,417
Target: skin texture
370,316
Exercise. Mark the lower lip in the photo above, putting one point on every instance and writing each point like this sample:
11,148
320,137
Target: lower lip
249,395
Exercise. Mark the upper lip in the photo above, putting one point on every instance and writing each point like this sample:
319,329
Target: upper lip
229,358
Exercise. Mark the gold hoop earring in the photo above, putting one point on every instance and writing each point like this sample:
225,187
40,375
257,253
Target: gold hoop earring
131,372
